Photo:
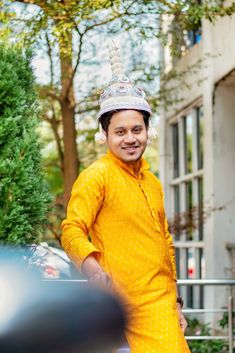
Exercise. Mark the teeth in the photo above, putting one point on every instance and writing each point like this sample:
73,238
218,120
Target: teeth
127,148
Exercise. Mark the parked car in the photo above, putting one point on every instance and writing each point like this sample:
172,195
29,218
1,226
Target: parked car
52,262
53,316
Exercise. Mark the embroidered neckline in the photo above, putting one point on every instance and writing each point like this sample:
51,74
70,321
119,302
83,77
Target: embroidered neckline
128,167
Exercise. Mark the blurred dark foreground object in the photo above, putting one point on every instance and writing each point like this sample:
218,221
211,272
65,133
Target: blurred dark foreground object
54,317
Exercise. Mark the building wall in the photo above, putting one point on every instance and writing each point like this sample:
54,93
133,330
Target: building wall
216,57
224,170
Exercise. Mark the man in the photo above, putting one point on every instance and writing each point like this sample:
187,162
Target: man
118,203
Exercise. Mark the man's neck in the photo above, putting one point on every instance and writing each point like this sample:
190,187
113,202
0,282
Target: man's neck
135,165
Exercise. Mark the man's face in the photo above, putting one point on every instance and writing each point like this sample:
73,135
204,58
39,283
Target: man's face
127,135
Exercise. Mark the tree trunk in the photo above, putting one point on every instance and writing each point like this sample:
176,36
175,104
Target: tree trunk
54,123
71,161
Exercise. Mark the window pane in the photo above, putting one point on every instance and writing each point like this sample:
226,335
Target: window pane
200,208
176,225
189,211
190,265
175,144
193,37
177,260
201,275
188,141
200,134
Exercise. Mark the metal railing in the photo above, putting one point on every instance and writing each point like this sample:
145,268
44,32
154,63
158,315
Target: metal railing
229,310
199,282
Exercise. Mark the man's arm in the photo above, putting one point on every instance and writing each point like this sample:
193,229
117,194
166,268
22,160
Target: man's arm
182,321
85,202
93,271
169,240
171,247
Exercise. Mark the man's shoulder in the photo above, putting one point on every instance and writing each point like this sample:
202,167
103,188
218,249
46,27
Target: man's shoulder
94,175
98,168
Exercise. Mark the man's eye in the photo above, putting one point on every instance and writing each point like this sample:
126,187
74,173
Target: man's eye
137,130
119,132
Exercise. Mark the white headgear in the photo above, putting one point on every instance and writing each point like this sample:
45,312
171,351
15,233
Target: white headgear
121,94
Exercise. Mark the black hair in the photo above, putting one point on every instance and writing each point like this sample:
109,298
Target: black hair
105,118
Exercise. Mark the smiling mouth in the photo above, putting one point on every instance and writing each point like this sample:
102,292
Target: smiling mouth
130,147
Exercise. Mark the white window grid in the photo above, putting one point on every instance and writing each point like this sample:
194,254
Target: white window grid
188,252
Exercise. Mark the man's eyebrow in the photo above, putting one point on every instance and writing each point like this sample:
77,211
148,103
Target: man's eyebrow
119,127
124,128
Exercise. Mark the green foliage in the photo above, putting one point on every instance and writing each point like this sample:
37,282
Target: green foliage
223,322
195,327
23,195
71,29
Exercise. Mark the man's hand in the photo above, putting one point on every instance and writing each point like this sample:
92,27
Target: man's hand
94,272
100,278
182,321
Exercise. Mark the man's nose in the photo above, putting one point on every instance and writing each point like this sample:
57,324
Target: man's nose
130,138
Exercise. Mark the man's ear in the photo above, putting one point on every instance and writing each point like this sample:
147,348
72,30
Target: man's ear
100,137
151,131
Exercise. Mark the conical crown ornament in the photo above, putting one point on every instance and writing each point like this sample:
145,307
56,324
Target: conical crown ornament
120,92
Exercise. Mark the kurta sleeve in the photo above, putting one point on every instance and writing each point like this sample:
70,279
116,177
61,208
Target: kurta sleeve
171,249
170,243
85,202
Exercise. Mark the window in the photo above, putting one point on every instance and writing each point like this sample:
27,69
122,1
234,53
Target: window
188,219
188,140
187,197
176,212
193,37
200,132
176,149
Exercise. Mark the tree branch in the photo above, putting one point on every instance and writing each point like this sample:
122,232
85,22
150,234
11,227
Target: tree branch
76,65
54,123
39,3
111,19
87,109
81,35
49,52
53,95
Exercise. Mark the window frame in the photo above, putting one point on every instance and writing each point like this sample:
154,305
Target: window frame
195,176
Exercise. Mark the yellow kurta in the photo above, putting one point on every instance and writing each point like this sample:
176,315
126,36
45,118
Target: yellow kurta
124,216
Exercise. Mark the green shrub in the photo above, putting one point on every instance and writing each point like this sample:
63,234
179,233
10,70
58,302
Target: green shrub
195,327
24,197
